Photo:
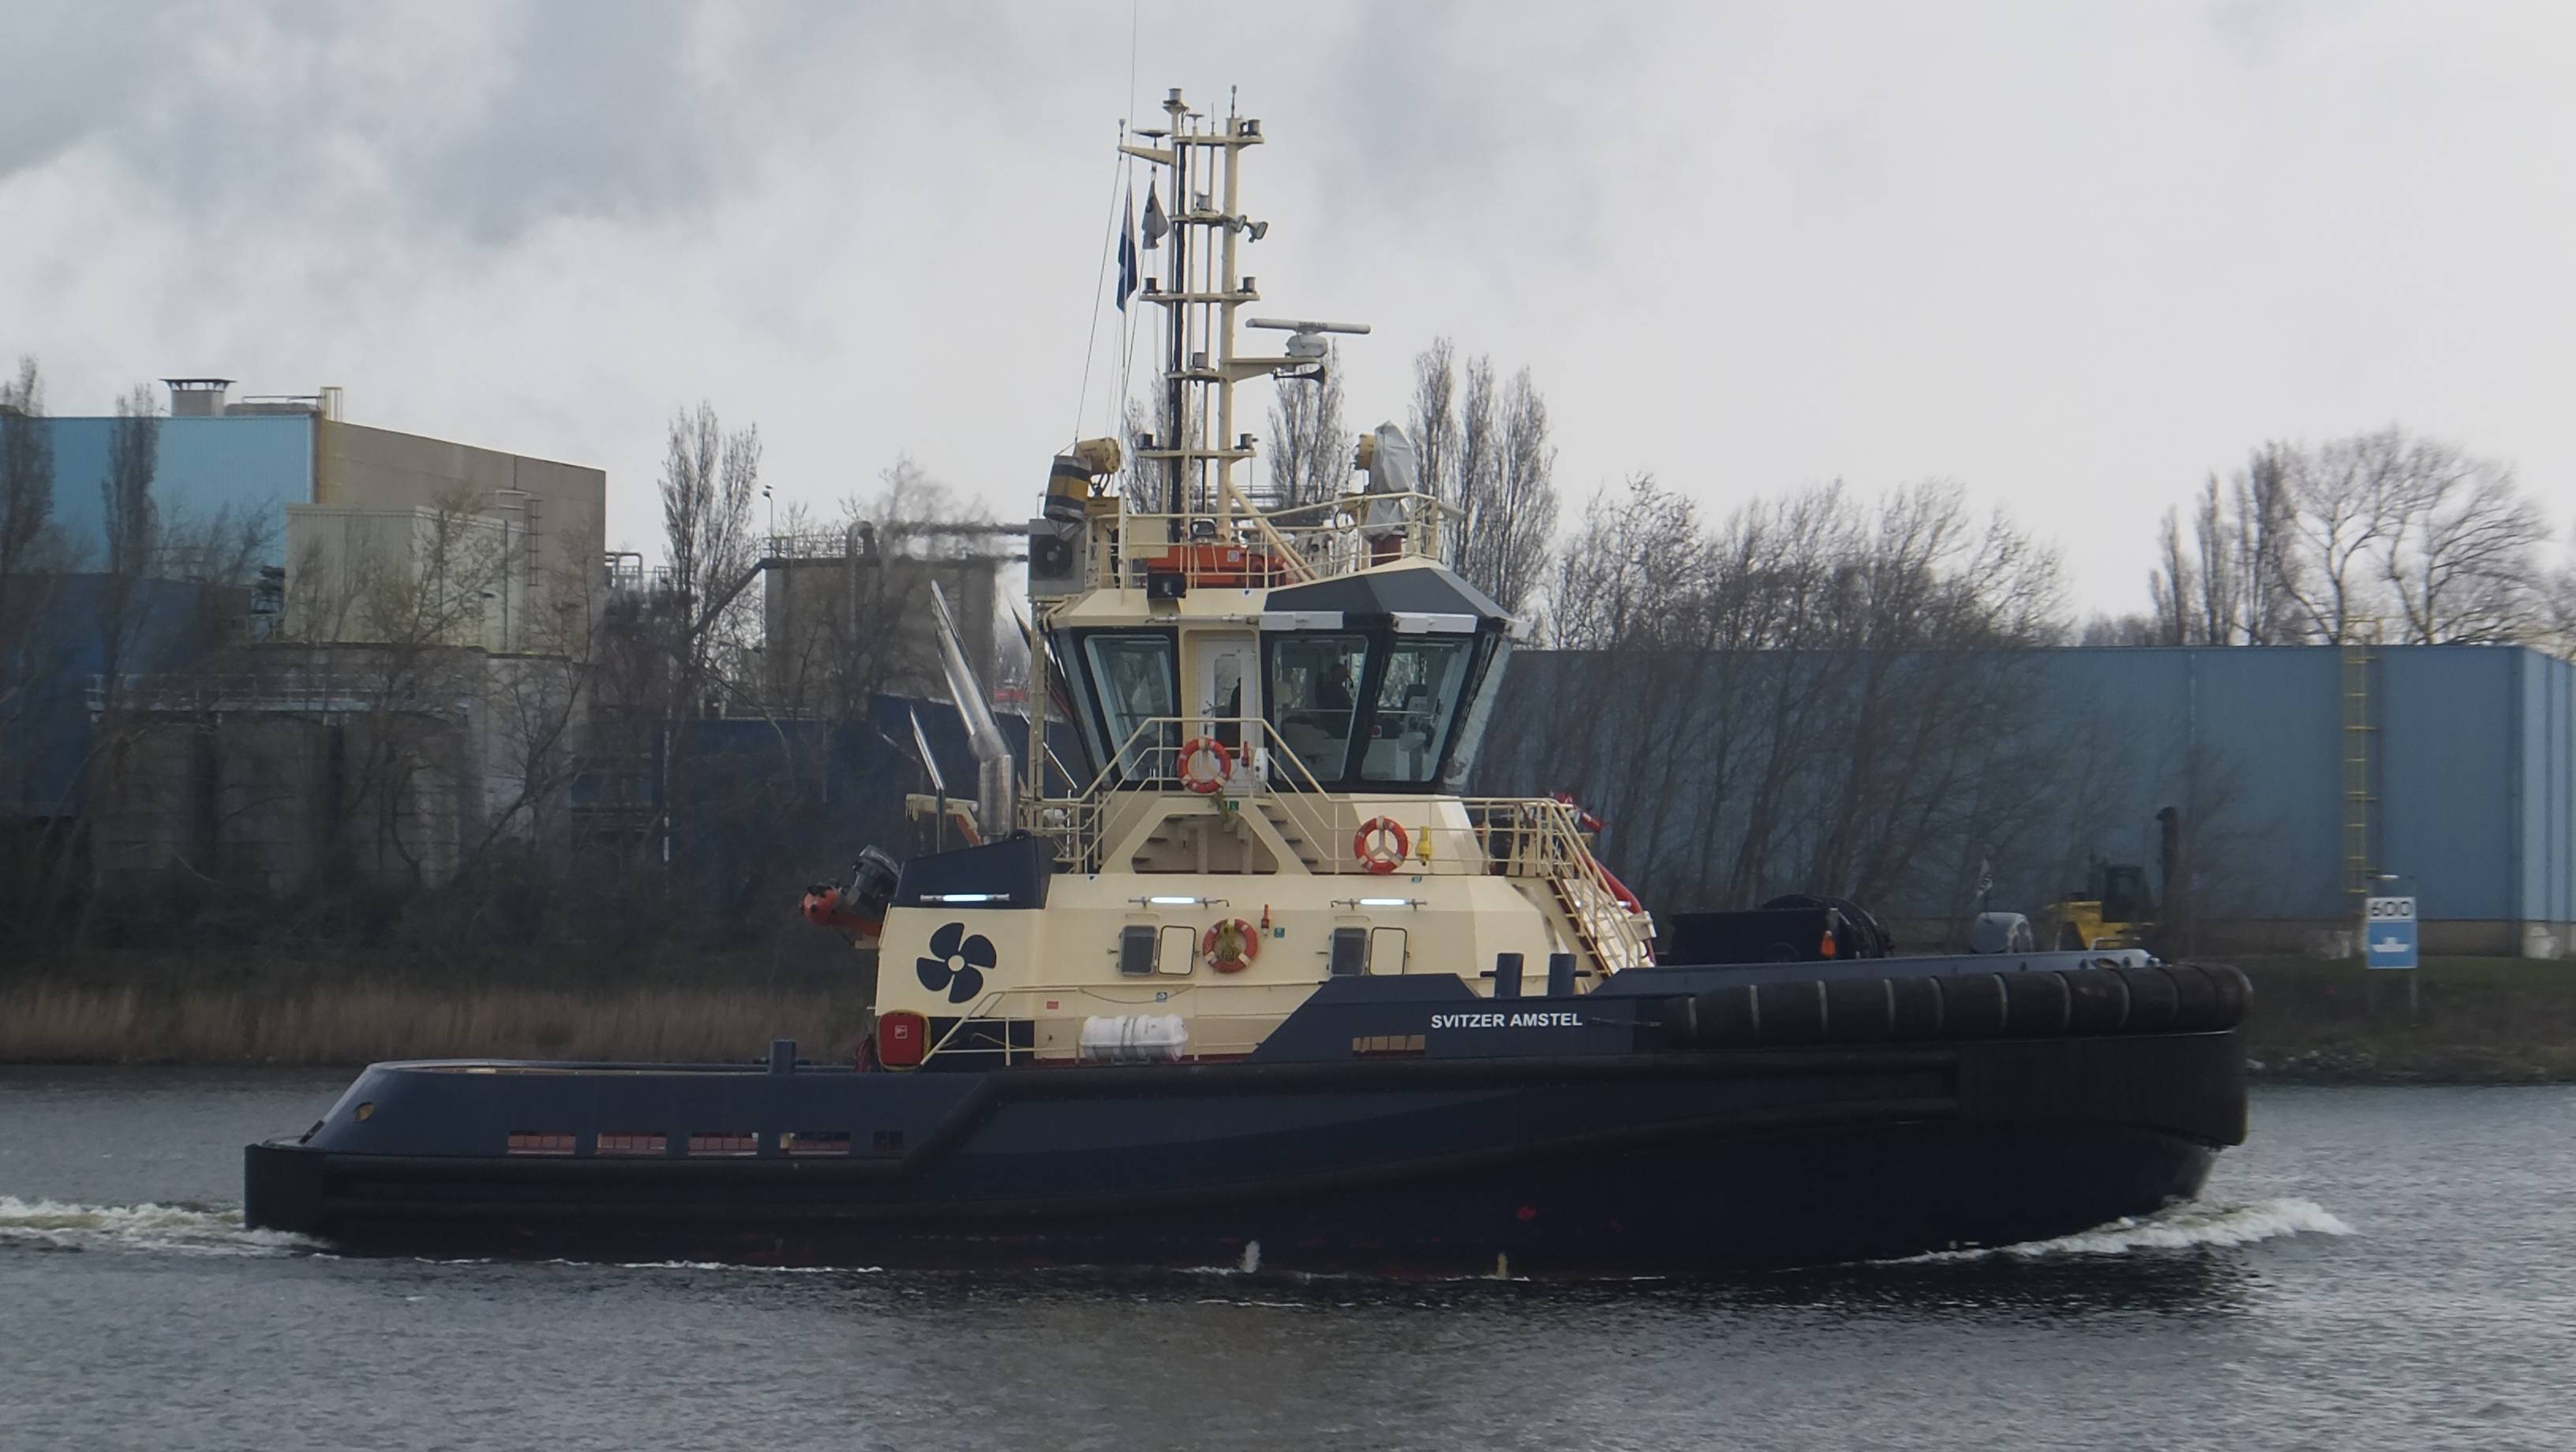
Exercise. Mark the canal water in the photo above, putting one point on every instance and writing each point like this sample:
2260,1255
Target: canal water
2378,1268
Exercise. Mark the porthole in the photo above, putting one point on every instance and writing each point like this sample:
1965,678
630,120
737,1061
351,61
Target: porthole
367,1110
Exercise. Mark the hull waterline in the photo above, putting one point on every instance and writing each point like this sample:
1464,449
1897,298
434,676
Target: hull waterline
1642,1164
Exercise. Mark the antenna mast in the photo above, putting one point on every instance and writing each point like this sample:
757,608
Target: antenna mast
1197,443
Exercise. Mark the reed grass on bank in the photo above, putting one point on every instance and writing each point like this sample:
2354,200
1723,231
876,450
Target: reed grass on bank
96,1025
2474,1020
2477,1020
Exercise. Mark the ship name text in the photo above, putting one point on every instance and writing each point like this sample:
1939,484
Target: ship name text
1532,1019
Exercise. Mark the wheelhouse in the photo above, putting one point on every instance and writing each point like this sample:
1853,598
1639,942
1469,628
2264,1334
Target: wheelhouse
1380,683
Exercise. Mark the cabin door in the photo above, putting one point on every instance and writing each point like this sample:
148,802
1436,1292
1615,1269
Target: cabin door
1229,696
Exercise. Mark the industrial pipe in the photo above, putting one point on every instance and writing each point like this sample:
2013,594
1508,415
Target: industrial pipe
996,809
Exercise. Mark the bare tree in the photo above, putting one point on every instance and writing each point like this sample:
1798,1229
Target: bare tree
709,480
1479,463
2266,564
1814,694
1505,487
2377,536
26,470
1434,421
2124,630
159,605
125,494
1521,515
1310,450
850,623
2460,559
26,505
2345,497
2175,584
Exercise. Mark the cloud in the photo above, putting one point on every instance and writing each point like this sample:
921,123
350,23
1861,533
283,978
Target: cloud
2075,256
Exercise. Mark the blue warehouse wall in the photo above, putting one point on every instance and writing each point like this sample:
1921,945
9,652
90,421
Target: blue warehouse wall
2447,767
238,468
2544,833
2474,775
2247,740
46,733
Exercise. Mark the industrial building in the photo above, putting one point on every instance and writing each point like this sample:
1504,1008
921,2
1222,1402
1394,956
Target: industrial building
246,463
2450,770
846,616
234,710
2304,777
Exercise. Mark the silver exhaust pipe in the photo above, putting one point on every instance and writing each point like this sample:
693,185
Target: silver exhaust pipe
996,801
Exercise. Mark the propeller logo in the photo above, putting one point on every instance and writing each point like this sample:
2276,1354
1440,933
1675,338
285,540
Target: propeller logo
957,963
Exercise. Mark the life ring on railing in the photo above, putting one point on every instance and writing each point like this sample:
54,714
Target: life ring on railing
1231,945
1197,749
1371,844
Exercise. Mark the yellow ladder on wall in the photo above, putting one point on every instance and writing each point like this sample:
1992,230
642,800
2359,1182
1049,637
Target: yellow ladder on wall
2360,765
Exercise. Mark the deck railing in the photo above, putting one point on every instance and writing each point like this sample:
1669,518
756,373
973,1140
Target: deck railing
1517,836
1280,547
1150,758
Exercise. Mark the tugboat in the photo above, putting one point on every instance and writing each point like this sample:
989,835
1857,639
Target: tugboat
1261,984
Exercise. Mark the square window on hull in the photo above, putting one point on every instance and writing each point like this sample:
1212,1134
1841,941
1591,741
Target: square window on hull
634,1143
725,1142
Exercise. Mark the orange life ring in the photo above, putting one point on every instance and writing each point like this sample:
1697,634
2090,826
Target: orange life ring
1245,942
1370,846
1195,748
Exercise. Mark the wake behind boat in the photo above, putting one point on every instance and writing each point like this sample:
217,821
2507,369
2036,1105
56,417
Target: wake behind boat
1261,974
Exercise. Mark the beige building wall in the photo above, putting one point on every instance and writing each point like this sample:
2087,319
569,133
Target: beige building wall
562,507
408,575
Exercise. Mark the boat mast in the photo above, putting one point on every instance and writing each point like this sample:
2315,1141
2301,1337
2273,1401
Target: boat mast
1197,443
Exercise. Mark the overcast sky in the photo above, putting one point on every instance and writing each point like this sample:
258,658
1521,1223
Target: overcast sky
2076,255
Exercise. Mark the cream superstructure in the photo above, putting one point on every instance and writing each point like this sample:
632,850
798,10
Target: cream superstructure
1279,710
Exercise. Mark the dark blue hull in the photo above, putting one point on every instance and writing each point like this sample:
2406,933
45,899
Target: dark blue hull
1599,1161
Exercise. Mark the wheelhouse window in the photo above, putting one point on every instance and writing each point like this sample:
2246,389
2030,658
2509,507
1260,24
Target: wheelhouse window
1315,697
1417,698
1133,677
1478,711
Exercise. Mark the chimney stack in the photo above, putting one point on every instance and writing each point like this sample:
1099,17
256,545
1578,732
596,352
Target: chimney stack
197,397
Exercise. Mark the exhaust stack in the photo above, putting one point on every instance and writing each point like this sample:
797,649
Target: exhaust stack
996,806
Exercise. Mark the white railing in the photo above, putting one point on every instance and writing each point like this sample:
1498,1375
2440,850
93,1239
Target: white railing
1262,550
1268,772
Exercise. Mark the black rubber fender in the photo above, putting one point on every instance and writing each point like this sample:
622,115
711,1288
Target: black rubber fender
2153,1001
1975,1009
2037,1005
2112,999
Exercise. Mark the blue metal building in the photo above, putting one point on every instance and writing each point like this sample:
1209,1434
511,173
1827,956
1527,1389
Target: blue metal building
2450,766
2304,772
244,469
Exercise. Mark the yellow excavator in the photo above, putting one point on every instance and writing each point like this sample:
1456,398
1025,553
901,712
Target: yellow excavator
2115,908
